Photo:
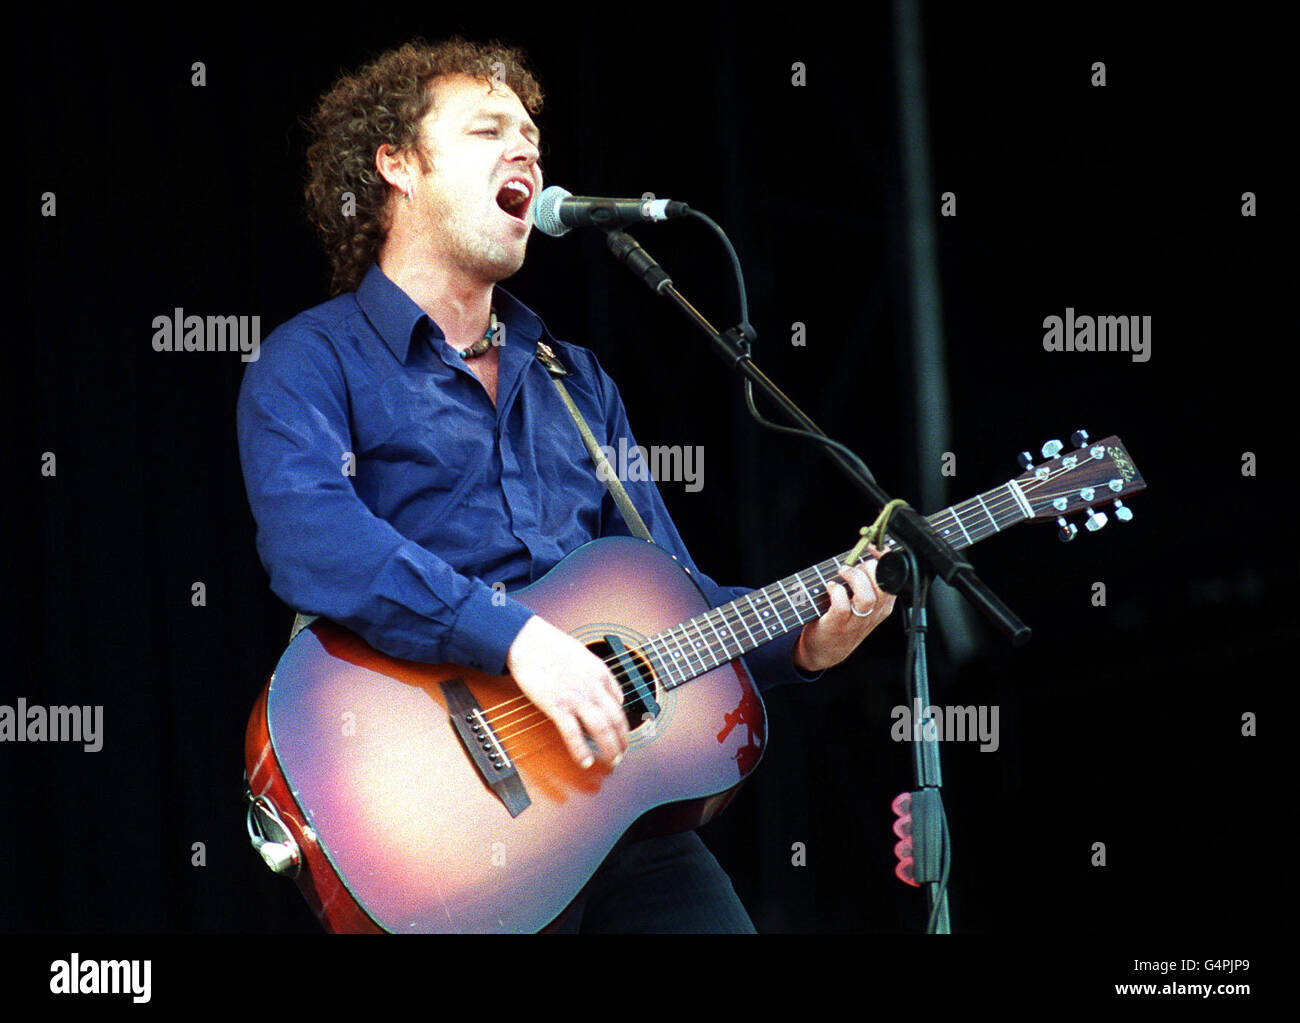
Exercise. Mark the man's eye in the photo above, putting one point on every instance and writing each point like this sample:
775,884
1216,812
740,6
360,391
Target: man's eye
484,131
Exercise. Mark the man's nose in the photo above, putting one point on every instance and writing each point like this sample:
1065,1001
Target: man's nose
523,148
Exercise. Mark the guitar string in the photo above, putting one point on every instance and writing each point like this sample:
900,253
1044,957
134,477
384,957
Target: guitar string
747,619
553,739
647,652
536,719
496,720
712,618
533,717
550,738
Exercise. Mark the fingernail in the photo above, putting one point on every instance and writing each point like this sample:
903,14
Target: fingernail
588,761
618,759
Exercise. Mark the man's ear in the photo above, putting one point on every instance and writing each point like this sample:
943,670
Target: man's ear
394,166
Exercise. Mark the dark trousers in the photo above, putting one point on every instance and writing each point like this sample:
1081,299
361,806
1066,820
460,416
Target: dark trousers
666,885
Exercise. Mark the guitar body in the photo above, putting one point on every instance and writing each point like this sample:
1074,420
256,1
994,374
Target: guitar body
397,828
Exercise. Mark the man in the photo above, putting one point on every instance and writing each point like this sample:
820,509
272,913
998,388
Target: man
408,460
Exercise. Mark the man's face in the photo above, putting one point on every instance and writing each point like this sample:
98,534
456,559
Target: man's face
475,202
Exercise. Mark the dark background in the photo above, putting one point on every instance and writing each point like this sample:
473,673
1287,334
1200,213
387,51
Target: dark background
1119,724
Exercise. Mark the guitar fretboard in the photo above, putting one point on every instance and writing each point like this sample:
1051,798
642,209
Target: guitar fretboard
724,633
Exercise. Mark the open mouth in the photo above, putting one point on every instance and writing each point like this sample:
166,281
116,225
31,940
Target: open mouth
513,197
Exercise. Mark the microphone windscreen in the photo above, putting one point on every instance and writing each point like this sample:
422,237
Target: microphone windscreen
546,211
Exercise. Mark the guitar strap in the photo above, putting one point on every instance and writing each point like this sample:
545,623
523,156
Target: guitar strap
547,357
604,470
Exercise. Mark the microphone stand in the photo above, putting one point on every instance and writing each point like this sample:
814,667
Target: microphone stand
925,556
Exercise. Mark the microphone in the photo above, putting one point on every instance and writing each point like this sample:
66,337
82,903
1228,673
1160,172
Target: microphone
557,211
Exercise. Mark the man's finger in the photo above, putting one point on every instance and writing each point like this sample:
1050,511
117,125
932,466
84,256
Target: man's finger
839,595
574,740
864,594
603,733
612,711
615,689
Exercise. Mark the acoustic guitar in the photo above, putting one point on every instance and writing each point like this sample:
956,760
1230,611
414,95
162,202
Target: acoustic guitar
414,798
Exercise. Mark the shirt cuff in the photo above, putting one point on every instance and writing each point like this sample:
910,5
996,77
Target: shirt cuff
803,676
772,664
487,625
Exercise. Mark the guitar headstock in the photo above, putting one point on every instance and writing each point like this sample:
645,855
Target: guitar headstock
1094,474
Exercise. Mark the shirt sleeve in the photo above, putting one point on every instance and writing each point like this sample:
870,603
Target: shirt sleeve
771,664
325,551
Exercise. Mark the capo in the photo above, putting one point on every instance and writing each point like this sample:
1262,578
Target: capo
873,533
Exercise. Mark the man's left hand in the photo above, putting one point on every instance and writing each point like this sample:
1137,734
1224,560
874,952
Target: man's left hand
847,622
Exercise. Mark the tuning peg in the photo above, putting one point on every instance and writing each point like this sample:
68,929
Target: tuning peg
1025,459
1094,521
1079,438
1066,530
1123,513
1052,448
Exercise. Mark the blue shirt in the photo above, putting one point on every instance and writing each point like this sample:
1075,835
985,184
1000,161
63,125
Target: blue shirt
391,494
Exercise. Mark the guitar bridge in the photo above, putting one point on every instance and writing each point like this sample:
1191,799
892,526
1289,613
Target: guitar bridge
483,747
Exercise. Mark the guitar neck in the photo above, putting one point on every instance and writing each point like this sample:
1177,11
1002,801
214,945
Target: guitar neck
706,641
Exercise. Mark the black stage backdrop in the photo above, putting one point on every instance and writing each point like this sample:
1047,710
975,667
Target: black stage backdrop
1125,722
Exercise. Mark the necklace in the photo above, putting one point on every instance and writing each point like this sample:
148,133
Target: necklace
482,345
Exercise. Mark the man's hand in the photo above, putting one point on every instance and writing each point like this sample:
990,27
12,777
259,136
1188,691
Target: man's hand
572,687
836,634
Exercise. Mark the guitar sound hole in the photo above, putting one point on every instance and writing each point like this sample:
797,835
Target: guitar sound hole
638,687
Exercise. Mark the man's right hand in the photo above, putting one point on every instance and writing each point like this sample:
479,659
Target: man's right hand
571,686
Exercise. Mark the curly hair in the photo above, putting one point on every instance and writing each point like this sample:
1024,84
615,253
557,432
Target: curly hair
383,103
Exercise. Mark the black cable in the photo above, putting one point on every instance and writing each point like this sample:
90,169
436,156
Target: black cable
941,892
747,331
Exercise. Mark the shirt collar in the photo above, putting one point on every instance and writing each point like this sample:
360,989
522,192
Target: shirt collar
394,314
